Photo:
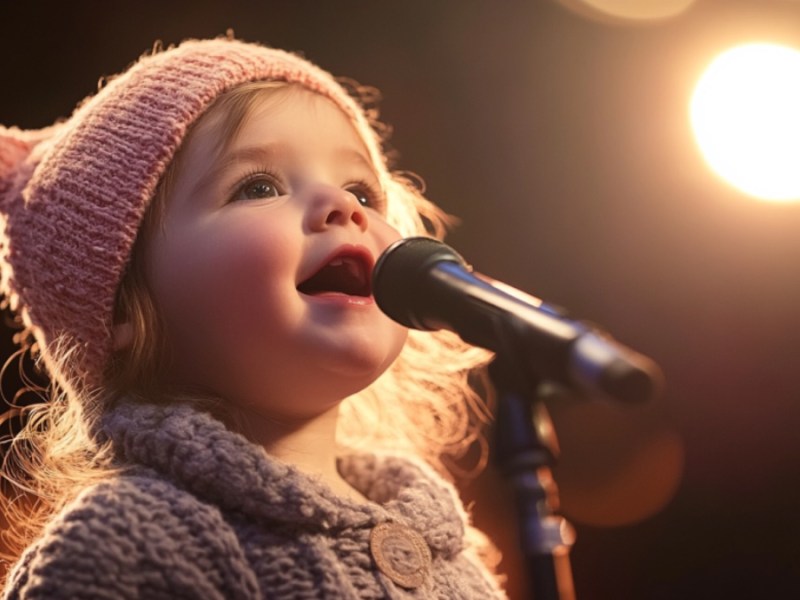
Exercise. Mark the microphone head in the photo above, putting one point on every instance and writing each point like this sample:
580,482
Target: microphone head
399,278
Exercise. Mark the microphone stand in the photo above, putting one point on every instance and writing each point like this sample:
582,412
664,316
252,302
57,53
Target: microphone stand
525,445
429,286
525,450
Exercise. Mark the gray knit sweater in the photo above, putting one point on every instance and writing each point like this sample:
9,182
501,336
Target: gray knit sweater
206,514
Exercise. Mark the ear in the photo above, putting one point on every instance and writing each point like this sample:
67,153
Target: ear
121,336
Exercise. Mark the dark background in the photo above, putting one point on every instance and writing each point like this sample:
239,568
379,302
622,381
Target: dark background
564,145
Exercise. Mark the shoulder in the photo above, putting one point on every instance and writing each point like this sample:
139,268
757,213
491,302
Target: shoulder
134,536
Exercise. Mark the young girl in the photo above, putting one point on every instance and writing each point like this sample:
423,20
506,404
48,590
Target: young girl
233,417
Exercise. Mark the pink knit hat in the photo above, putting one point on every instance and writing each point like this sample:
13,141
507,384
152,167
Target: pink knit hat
72,196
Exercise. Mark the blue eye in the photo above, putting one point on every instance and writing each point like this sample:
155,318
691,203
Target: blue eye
258,187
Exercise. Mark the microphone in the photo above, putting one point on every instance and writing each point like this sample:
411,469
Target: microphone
425,284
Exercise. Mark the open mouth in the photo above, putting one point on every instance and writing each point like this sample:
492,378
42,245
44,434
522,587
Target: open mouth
346,272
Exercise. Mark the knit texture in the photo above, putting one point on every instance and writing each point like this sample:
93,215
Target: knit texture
203,513
72,196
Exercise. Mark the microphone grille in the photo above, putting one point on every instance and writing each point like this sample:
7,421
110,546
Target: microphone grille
399,282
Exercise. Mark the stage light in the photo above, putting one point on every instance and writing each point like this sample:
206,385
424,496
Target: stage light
628,10
745,113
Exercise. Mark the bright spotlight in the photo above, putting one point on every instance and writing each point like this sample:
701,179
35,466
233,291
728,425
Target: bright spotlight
745,112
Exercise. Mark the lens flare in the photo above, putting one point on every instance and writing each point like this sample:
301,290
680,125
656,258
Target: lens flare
745,113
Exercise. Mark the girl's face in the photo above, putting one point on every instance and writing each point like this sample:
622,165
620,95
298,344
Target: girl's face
261,270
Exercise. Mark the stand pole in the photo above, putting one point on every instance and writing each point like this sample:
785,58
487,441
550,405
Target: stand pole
525,450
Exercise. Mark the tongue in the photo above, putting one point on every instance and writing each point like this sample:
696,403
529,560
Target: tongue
340,278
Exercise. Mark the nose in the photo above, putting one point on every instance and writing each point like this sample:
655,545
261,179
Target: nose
330,206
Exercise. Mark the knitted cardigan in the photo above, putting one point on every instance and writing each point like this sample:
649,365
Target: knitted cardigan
203,513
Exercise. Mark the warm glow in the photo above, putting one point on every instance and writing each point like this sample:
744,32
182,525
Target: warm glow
618,466
745,113
628,10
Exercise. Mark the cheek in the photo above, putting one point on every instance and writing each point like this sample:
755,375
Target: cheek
213,289
384,234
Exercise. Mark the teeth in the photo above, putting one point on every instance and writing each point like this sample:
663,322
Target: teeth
337,262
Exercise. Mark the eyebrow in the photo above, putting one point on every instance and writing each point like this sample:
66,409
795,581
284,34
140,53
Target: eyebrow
269,152
249,154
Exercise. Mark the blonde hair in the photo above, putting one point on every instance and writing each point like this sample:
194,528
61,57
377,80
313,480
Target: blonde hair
426,403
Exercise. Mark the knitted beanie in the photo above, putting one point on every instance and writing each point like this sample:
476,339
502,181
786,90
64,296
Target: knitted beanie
72,196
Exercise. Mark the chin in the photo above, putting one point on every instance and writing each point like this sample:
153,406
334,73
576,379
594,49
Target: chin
351,377
367,363
354,377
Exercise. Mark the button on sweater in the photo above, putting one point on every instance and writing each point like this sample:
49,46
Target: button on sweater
203,513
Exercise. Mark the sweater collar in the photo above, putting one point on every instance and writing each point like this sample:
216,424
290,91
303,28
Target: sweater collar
198,453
